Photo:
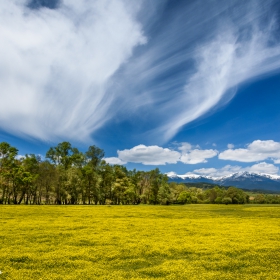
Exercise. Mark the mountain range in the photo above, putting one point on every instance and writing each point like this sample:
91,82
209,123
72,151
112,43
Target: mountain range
243,180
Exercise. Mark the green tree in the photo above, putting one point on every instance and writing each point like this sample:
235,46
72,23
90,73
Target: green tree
175,190
227,200
157,180
63,156
164,194
92,175
237,195
260,199
94,155
7,163
107,182
48,178
213,194
31,191
185,197
73,185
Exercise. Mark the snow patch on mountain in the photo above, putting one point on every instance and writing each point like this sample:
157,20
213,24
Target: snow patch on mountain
242,174
244,179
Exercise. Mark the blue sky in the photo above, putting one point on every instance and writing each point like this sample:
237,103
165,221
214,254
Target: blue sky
186,86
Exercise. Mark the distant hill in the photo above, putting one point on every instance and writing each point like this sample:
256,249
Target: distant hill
242,180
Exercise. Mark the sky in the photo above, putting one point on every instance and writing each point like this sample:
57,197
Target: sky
183,86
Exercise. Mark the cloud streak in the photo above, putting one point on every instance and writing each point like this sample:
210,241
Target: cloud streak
69,71
243,45
56,65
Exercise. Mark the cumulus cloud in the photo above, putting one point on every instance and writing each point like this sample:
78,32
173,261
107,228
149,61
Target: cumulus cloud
149,155
19,157
230,146
261,167
264,167
197,156
214,172
171,173
155,155
194,154
205,171
255,151
189,154
184,147
114,160
38,156
56,65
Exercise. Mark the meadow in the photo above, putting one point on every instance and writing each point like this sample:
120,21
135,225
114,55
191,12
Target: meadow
140,242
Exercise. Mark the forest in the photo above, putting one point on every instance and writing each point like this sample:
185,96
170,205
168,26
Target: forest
69,176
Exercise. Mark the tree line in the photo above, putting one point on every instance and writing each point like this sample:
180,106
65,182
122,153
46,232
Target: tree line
69,176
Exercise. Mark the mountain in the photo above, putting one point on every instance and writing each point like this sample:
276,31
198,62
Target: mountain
243,180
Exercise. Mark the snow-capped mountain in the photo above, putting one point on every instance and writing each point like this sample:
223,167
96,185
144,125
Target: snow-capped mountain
244,180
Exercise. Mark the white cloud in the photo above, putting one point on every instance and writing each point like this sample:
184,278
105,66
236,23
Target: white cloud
226,170
19,157
39,156
197,156
65,71
230,146
264,167
237,49
255,151
261,167
114,160
155,155
149,155
189,154
184,147
205,171
171,173
56,65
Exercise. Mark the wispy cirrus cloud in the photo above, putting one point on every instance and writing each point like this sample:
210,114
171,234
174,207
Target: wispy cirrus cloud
196,60
67,71
56,64
242,45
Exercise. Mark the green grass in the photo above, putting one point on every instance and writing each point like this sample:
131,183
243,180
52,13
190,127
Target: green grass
140,242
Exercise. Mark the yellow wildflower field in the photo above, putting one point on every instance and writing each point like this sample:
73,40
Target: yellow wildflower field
140,242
